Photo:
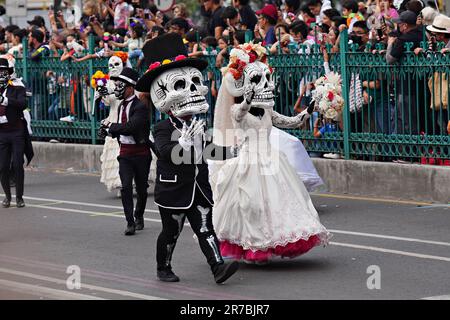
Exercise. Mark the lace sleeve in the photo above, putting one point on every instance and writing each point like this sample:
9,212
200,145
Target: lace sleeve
238,111
282,121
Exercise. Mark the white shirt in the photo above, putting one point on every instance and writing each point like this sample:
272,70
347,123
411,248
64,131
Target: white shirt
122,138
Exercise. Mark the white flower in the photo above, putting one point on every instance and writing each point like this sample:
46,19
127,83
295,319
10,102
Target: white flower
331,114
239,54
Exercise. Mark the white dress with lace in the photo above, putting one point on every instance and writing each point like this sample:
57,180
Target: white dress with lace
110,166
261,205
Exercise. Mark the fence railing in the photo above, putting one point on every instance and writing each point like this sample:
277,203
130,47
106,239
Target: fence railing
391,110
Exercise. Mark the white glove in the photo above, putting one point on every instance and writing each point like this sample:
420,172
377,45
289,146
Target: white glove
187,133
3,119
249,93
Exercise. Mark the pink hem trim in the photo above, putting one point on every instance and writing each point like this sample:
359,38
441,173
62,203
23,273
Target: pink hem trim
290,250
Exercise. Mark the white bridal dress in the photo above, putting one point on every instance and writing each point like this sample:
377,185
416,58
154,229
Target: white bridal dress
262,208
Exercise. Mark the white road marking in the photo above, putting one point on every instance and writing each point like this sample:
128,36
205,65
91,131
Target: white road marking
373,235
96,213
444,297
402,253
87,204
44,291
44,206
83,285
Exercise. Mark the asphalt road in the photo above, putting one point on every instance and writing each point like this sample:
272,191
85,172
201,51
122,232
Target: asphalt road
381,249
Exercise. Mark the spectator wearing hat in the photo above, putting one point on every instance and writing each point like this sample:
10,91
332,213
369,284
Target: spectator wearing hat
12,134
37,21
440,32
132,132
408,95
265,29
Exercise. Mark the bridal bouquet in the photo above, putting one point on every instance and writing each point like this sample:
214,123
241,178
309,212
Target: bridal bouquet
328,96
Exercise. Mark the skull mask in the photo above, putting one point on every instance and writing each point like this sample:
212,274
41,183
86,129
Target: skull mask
119,89
180,91
115,66
259,75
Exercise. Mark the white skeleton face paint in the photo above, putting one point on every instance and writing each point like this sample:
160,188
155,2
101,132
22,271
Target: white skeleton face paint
119,89
115,66
258,74
180,91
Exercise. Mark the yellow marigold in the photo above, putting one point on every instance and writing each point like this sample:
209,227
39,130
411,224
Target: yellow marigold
166,61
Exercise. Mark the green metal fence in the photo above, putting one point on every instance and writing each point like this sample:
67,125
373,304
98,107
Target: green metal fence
393,118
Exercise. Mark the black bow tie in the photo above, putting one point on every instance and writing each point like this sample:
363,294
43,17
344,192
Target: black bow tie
257,112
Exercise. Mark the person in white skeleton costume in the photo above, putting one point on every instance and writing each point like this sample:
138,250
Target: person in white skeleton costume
261,206
110,166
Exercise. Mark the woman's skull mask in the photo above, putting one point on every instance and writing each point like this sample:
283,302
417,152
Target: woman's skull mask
115,66
258,76
180,92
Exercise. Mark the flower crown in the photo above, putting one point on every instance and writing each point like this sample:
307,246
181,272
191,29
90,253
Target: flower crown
243,55
157,64
122,55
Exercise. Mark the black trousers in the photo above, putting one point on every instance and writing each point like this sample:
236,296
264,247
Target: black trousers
200,219
12,145
137,168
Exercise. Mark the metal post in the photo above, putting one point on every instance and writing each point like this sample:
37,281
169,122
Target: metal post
91,73
25,60
345,83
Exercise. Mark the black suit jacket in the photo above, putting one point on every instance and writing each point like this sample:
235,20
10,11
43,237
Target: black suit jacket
16,103
177,173
137,125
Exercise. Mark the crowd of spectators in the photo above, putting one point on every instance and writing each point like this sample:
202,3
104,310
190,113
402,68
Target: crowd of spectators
283,26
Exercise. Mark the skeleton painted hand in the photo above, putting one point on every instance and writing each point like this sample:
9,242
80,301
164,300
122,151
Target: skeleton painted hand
249,93
103,91
187,133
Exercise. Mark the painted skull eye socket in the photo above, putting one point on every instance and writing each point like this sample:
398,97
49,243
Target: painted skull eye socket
196,80
117,64
268,76
180,84
255,79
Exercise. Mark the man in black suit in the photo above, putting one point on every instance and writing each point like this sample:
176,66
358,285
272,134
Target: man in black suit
132,131
12,134
182,189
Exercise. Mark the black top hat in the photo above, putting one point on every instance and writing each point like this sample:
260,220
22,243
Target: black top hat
127,75
4,64
164,53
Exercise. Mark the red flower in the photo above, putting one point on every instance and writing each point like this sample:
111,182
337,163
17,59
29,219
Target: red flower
180,57
154,65
252,56
330,95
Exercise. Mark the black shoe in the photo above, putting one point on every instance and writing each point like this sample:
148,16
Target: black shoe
167,275
139,223
225,270
6,203
131,230
20,203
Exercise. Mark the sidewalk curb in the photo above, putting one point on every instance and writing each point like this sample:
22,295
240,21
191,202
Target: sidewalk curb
378,179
